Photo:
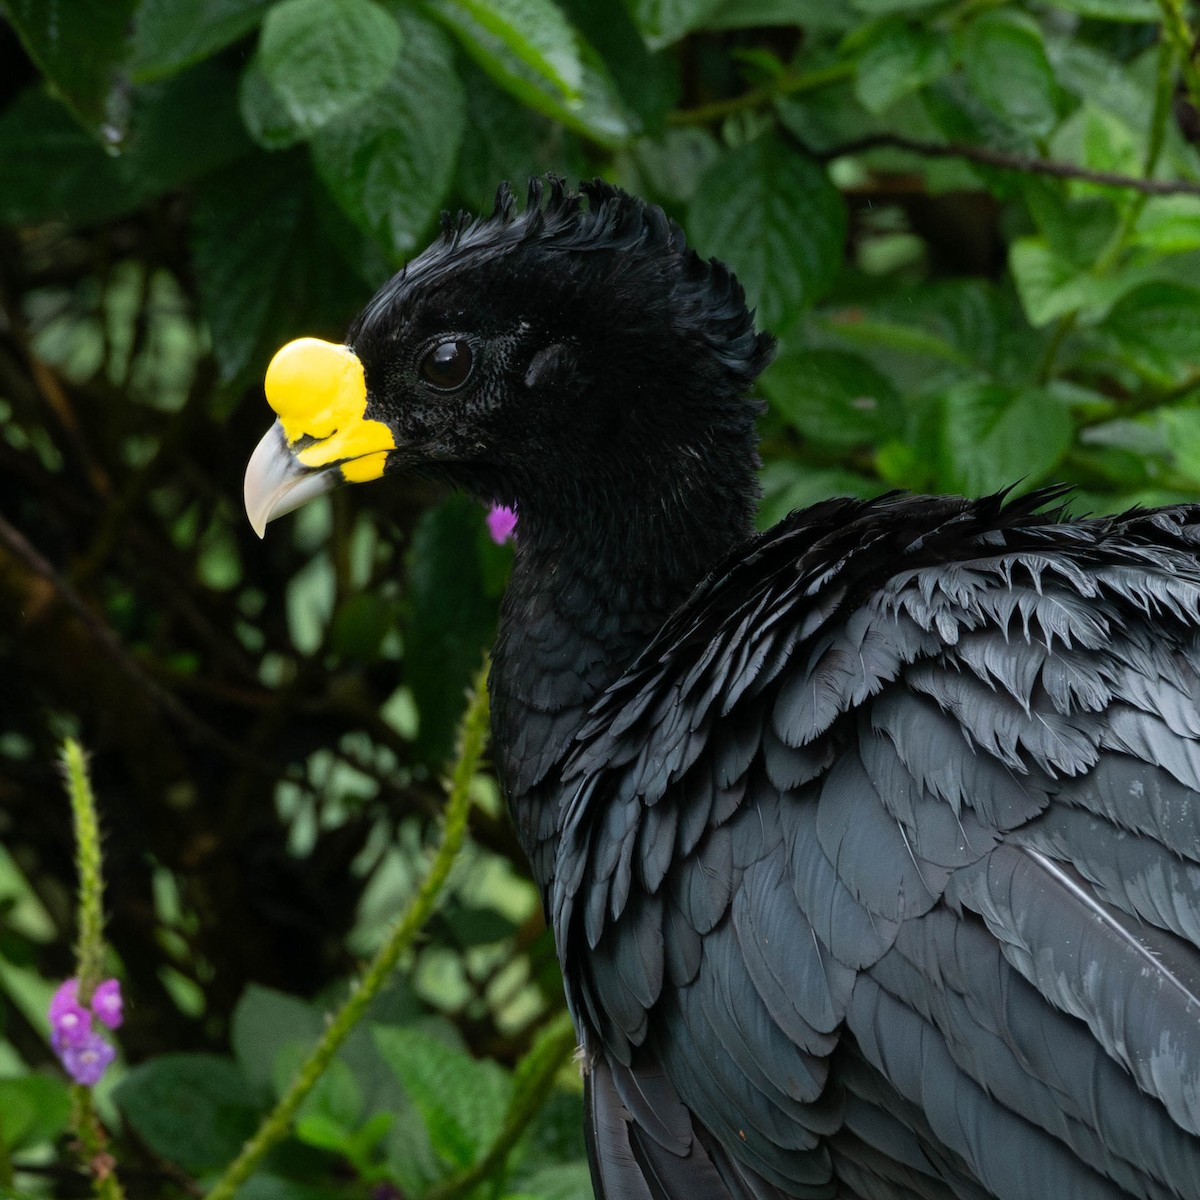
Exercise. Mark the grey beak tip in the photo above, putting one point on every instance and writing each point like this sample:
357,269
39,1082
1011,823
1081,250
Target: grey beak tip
276,483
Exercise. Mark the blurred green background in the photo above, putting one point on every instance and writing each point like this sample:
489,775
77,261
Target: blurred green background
975,226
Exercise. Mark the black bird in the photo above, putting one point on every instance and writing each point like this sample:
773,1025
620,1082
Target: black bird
871,844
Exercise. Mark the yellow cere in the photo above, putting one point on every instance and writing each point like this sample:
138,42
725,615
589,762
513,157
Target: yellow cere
318,390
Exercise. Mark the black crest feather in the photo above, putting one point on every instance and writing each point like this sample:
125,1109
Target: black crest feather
703,296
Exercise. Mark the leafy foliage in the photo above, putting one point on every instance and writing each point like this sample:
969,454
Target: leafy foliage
974,227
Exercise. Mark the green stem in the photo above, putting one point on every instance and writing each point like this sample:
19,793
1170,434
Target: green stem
90,949
1062,330
89,1132
1163,97
1110,256
1177,29
274,1128
93,1146
759,97
535,1076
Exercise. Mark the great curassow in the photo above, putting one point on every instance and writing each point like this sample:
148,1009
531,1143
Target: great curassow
871,844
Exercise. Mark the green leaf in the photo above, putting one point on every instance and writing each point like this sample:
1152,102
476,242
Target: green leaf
462,1101
922,339
263,113
265,281
33,1109
564,1181
471,925
501,141
557,1134
993,437
1079,229
775,218
264,1022
171,34
1155,329
898,59
535,33
973,318
191,1109
81,48
647,83
671,168
264,1186
309,602
1109,144
389,163
788,486
598,113
833,397
323,58
1051,286
1182,428
1169,224
961,116
450,620
828,117
665,21
864,330
880,7
360,624
183,128
54,171
1133,11
1106,78
1008,70
333,1110
755,14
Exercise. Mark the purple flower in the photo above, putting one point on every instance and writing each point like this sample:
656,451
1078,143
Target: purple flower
82,1050
501,523
70,1022
65,997
106,1003
86,1063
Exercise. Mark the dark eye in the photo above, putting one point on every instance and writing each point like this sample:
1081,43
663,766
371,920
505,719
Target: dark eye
448,364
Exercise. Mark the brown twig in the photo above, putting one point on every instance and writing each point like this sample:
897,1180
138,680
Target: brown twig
1006,160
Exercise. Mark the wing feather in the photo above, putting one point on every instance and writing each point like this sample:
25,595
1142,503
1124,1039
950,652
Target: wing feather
880,872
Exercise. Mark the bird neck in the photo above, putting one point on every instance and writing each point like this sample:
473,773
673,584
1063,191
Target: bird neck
591,585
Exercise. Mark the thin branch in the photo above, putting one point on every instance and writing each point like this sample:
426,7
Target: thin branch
1006,160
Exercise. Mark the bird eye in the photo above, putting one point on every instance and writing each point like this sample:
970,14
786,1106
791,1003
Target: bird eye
448,364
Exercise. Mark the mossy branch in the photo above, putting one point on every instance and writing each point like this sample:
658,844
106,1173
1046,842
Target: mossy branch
473,733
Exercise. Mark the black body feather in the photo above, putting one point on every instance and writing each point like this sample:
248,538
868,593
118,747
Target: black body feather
982,876
871,844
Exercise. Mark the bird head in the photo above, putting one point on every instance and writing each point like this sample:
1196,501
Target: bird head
531,357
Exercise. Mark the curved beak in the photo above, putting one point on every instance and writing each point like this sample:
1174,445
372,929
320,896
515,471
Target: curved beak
322,437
